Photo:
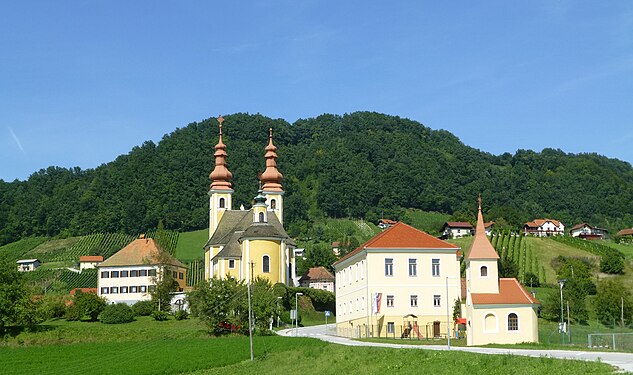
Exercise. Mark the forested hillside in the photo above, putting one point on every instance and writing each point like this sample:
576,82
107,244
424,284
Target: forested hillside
361,165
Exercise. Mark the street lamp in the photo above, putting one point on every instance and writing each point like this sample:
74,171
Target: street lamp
561,282
278,299
297,313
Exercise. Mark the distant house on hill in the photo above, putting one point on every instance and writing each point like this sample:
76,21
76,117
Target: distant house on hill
544,228
129,275
83,290
89,261
28,265
628,232
456,229
318,278
386,223
588,232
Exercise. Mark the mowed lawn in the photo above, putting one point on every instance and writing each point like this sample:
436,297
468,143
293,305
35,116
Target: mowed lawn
190,244
149,347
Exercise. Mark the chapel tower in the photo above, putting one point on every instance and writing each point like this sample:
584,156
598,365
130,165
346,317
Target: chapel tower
271,180
221,192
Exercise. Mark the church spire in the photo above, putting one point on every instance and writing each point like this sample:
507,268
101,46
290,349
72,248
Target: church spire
221,176
271,178
481,247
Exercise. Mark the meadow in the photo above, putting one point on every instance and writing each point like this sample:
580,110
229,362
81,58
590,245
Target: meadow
149,347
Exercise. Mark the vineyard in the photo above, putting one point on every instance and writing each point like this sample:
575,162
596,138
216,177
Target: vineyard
513,246
195,272
167,239
61,280
593,247
16,250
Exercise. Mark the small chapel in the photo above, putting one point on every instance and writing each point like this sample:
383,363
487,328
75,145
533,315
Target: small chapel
248,243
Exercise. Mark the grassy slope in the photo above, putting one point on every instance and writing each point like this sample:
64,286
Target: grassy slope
149,347
190,244
430,222
18,249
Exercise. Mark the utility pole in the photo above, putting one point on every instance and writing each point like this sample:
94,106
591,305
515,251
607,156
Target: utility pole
622,311
250,309
568,325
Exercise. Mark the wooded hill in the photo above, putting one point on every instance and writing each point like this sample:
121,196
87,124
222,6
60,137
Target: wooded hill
361,165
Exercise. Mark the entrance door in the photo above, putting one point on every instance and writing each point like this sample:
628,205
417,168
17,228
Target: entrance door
436,329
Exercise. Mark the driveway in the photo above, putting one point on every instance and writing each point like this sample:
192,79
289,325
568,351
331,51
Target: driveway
623,361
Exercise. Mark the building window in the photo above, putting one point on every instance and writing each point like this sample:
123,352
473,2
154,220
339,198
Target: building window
143,288
152,272
151,288
513,322
133,289
105,274
356,271
124,273
273,204
362,269
114,290
134,273
391,327
124,289
435,267
114,274
181,275
174,274
413,267
231,263
490,323
437,300
266,264
389,301
484,271
142,272
261,217
104,290
222,203
388,267
414,301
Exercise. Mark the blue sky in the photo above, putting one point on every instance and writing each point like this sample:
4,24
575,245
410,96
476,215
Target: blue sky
82,82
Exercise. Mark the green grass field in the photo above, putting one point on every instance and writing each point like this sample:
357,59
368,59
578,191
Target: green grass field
430,222
17,250
149,347
190,245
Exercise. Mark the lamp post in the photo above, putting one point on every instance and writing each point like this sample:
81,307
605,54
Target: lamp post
448,314
278,299
297,313
561,282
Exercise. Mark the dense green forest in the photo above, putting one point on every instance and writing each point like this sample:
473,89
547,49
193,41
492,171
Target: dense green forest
361,165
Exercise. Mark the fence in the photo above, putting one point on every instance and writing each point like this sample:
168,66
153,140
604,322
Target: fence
430,331
613,341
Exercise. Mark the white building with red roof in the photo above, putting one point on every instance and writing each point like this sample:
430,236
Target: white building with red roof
318,278
397,284
497,310
544,228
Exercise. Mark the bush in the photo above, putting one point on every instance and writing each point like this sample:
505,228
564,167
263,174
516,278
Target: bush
90,305
53,306
160,316
181,315
116,314
531,280
143,308
612,263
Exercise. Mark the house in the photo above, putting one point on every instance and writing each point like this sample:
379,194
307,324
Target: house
130,275
497,310
318,278
89,261
588,232
396,285
456,229
543,228
83,290
246,244
386,223
489,225
336,248
626,232
28,265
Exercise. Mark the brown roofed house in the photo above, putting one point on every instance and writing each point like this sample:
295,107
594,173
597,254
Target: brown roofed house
318,278
543,228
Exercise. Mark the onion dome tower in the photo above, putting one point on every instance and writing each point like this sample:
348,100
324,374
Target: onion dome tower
221,192
271,180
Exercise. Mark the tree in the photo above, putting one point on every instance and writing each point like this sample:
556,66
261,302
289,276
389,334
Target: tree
264,303
165,284
220,305
611,262
507,268
457,309
17,305
613,302
89,305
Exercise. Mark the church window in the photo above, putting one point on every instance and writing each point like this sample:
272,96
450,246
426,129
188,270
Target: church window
266,264
484,271
261,217
273,204
222,203
231,263
513,322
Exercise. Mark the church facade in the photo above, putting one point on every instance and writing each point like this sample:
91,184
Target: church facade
246,244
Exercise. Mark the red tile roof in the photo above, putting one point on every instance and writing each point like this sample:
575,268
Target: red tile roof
142,251
401,236
625,232
91,258
538,222
83,290
458,224
510,293
317,273
489,224
387,221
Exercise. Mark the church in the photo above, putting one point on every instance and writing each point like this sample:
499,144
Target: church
246,244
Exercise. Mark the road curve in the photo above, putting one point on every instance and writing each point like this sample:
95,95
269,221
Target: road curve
622,361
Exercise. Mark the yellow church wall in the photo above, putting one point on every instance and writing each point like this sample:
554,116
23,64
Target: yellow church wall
489,325
256,250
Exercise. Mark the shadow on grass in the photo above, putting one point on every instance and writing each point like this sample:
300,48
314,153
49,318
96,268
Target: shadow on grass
13,331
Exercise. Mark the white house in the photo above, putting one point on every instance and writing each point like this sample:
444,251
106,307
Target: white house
589,232
318,278
544,228
89,261
28,265
456,229
395,285
130,274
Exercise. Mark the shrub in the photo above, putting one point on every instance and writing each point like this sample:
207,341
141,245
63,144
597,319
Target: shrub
181,315
143,308
73,313
160,316
116,314
53,306
612,263
89,304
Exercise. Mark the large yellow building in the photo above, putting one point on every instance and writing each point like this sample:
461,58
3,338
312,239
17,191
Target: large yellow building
247,244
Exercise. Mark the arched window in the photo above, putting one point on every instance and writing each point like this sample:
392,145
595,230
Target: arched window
513,322
484,271
490,323
273,204
261,217
266,264
222,203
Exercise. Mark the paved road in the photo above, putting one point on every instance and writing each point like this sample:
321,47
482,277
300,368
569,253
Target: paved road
623,361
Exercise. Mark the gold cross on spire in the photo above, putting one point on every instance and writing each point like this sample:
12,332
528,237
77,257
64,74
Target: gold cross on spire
220,119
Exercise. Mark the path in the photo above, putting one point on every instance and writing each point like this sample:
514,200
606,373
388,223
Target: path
623,361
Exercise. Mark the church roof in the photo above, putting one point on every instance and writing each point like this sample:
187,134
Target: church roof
402,236
510,293
142,251
236,225
481,247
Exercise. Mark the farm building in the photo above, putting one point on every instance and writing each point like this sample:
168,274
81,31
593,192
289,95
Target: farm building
543,228
588,232
28,265
89,261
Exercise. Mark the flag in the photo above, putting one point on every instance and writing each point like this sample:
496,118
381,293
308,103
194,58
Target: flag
375,305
